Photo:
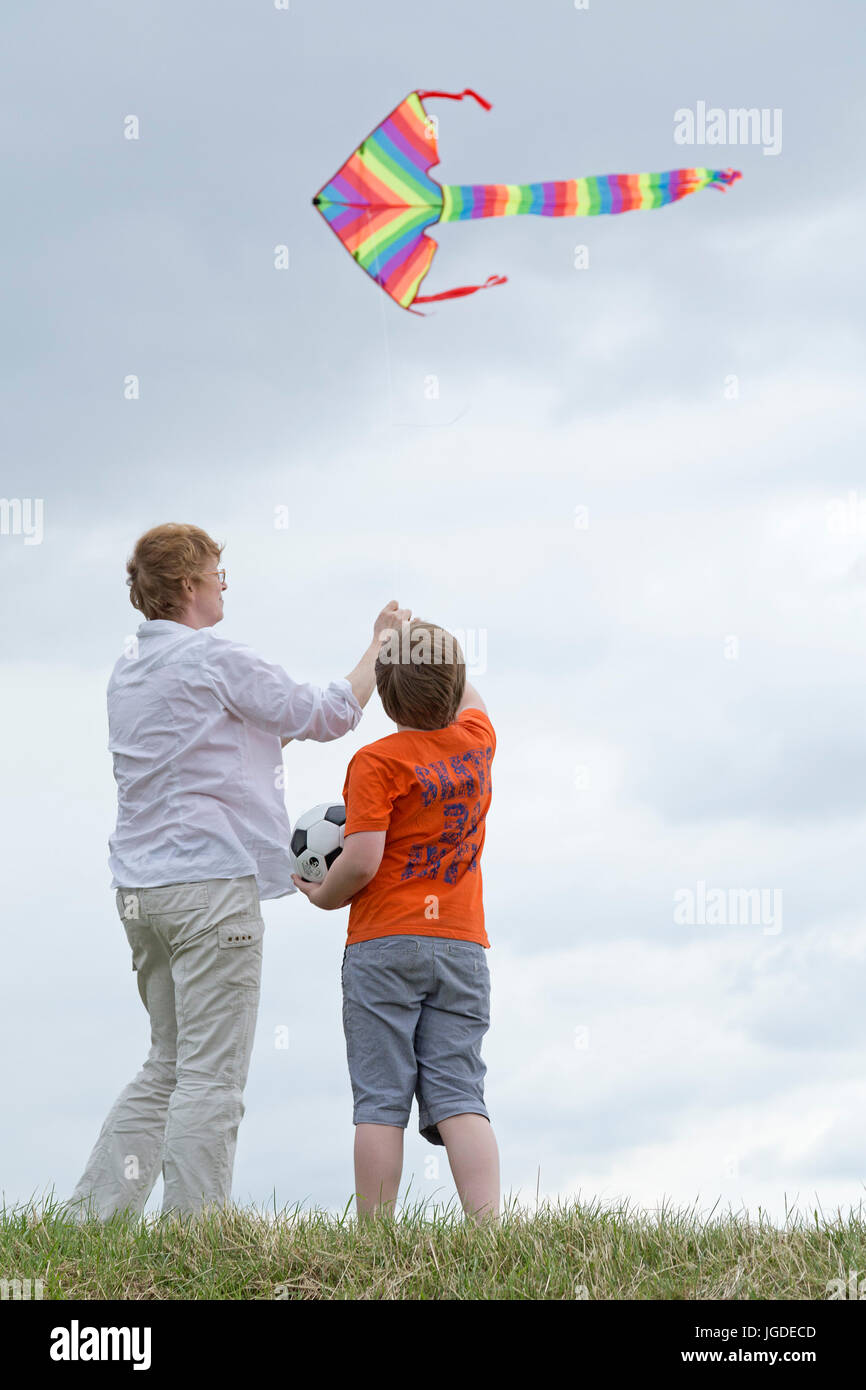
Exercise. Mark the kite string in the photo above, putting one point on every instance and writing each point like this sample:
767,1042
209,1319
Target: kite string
376,270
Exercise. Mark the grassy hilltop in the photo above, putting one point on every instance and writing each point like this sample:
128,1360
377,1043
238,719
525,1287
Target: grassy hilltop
562,1252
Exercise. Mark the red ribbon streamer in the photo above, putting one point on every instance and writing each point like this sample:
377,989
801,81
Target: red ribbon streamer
458,96
461,290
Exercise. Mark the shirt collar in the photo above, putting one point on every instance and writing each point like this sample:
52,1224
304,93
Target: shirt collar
162,625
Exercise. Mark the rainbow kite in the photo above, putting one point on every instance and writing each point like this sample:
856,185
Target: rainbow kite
382,200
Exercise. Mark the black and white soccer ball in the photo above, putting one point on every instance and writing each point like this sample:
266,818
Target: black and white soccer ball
317,840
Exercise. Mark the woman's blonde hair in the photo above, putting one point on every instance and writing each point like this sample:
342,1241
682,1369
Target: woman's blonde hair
162,559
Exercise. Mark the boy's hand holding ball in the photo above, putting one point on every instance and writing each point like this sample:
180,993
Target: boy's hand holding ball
311,889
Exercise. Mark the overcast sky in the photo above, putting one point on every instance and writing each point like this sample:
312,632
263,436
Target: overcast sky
639,485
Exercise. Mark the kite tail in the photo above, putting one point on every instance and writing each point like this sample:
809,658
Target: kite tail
569,198
580,197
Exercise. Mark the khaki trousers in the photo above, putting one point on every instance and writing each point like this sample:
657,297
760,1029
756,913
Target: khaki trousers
197,952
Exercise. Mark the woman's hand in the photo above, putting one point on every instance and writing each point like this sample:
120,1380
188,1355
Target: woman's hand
390,619
363,678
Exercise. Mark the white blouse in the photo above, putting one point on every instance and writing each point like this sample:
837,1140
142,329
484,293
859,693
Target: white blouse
195,723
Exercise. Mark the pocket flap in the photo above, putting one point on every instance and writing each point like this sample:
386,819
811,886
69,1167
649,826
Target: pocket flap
243,933
174,898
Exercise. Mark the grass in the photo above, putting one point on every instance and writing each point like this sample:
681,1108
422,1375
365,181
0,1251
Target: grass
565,1251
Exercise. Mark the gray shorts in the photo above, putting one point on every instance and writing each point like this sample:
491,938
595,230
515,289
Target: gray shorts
415,1009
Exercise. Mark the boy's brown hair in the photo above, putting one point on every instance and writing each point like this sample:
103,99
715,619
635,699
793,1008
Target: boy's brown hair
163,557
421,675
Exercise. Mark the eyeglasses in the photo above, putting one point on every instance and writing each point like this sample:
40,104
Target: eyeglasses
221,573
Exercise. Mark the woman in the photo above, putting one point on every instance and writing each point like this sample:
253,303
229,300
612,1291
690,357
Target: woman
195,729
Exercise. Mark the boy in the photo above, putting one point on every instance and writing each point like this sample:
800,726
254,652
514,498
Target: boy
416,987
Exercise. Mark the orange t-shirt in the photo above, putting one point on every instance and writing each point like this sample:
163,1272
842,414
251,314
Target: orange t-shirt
429,790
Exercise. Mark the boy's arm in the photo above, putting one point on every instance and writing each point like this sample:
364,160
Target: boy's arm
471,700
350,872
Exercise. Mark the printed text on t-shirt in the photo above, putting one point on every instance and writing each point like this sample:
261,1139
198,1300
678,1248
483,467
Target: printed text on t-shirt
458,784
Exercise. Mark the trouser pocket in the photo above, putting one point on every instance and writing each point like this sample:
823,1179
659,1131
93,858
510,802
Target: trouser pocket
240,951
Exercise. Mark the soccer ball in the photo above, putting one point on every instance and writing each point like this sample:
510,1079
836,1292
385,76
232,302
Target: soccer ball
317,840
